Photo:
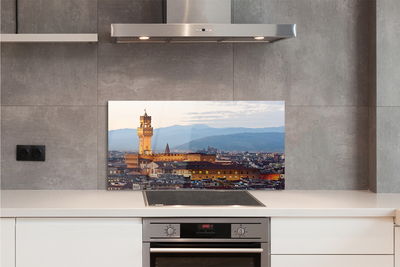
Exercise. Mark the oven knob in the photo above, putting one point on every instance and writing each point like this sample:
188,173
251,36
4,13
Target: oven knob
241,231
170,231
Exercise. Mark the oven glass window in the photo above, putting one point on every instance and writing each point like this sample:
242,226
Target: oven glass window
205,260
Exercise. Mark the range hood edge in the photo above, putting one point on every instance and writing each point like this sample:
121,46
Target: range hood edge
200,32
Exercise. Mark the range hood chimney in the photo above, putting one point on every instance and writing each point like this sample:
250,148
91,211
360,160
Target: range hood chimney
199,21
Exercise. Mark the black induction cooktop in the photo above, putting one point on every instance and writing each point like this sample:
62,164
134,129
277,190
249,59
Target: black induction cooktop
200,198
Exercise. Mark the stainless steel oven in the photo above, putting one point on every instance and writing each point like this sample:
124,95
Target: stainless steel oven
206,242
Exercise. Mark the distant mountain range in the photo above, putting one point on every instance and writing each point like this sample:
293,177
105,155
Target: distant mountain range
201,136
267,142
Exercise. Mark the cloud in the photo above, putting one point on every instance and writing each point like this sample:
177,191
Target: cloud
211,112
255,114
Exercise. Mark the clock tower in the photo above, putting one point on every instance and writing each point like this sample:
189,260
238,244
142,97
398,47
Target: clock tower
145,132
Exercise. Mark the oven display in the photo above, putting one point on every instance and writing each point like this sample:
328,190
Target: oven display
205,230
205,227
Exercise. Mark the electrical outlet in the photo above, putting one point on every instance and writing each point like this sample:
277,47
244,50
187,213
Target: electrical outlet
23,152
31,153
38,153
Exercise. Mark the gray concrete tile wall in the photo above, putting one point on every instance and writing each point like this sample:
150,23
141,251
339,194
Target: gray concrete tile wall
165,72
8,16
388,58
320,74
70,137
326,148
49,74
57,16
327,64
388,149
372,151
372,102
385,153
102,147
126,11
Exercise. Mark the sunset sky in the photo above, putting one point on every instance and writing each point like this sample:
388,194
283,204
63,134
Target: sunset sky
217,114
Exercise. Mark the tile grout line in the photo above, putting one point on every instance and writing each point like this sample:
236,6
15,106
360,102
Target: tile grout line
97,98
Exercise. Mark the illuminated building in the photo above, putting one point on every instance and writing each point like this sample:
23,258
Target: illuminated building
227,172
270,176
145,132
132,160
203,170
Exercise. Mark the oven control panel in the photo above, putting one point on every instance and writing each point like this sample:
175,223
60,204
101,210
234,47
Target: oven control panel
204,230
165,230
240,230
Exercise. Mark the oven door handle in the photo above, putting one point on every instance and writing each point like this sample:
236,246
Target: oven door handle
206,250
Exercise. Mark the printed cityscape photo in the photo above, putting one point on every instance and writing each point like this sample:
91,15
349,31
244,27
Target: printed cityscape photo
187,145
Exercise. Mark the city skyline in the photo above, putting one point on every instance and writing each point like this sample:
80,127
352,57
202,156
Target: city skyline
216,114
241,148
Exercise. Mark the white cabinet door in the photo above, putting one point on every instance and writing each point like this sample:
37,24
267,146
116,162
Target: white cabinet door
78,242
332,260
7,245
332,235
397,246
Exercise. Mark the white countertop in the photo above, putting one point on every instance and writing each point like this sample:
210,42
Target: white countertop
98,203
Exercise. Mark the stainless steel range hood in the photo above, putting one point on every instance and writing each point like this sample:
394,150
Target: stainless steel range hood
189,21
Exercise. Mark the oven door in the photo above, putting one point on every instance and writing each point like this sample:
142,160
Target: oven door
178,254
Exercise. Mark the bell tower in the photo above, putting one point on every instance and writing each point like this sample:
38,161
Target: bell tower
145,132
167,151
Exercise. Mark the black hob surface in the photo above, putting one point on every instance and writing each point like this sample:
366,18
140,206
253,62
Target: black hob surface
200,198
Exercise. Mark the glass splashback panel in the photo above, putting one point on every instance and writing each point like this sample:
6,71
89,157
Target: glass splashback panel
192,145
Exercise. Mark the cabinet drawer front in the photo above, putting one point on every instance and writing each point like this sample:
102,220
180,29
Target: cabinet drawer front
7,242
89,242
332,260
332,235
